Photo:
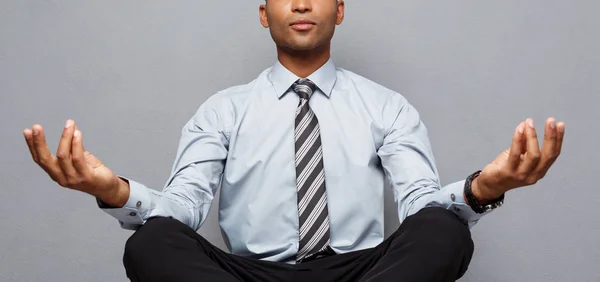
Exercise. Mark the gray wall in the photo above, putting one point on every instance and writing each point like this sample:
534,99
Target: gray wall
131,73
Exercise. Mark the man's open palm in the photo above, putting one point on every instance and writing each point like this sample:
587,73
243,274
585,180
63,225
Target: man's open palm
73,167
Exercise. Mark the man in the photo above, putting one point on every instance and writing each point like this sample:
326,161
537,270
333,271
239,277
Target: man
301,155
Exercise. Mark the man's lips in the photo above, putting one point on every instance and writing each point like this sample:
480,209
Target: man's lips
302,25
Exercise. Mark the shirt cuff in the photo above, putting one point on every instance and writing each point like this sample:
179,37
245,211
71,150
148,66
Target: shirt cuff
455,195
135,212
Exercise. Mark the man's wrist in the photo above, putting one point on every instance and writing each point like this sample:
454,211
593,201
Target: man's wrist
482,204
118,196
483,194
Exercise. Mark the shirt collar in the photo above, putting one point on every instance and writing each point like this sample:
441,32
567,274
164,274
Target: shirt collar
282,79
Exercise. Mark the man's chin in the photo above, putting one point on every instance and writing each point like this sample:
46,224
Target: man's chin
302,47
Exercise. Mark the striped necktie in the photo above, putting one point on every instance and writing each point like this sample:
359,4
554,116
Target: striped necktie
310,178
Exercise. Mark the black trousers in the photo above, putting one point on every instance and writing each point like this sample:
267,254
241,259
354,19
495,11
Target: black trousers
431,245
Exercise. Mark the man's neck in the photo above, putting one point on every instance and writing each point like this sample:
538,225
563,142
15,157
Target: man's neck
303,63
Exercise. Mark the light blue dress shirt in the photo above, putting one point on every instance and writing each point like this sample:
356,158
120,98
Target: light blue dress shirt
242,140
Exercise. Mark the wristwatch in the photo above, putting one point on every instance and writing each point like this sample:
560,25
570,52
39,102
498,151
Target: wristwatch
472,200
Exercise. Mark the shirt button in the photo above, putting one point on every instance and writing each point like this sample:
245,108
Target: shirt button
132,213
138,204
456,209
451,197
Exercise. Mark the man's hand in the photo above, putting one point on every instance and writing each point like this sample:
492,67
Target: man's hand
75,168
523,163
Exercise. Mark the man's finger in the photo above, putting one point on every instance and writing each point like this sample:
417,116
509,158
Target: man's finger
77,154
532,157
516,148
560,135
82,147
46,160
64,152
548,154
40,146
29,140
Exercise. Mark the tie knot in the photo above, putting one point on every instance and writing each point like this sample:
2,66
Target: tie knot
304,87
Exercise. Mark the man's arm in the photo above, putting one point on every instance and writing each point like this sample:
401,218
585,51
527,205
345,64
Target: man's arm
408,162
187,194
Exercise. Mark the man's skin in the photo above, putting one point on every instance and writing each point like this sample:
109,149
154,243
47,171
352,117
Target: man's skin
302,31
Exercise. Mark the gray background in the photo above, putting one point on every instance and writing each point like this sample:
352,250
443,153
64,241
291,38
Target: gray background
131,73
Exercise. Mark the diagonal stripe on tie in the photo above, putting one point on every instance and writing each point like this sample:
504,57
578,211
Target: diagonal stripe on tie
301,126
312,242
312,151
315,208
303,113
311,140
313,216
319,236
306,171
310,192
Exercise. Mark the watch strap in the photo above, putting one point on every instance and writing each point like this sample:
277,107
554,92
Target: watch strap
474,203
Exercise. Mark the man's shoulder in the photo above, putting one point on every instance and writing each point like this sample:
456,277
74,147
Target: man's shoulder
243,90
228,99
237,93
366,86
